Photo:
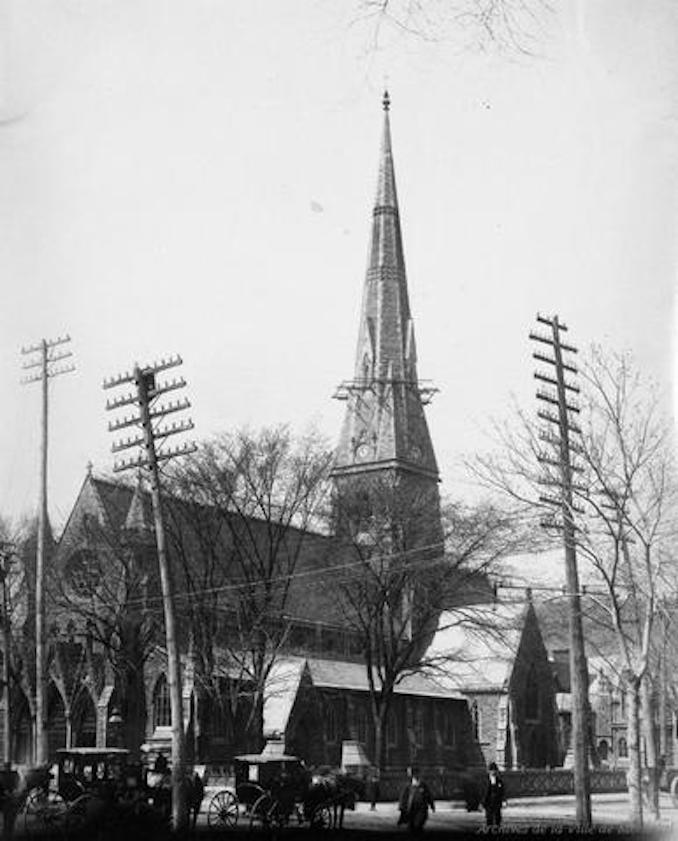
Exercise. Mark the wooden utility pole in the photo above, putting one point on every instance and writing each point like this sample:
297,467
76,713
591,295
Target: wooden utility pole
46,360
560,458
148,419
6,553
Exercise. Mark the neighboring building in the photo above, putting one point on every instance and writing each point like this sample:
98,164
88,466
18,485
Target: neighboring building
506,677
607,695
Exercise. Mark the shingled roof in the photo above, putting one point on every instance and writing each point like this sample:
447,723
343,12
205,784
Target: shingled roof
338,674
120,505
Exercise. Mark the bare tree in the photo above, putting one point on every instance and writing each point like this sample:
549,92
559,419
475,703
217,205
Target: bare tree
412,576
513,26
13,615
629,493
626,496
246,507
104,598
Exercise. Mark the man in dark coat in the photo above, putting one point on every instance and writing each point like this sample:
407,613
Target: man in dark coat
494,796
414,803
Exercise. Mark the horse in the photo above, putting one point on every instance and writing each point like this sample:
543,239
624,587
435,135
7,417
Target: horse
160,786
15,786
337,791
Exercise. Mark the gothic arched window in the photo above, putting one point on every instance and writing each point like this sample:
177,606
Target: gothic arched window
392,725
361,725
331,728
477,720
419,726
532,695
622,748
162,715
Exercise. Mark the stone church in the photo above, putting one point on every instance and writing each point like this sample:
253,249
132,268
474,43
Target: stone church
321,705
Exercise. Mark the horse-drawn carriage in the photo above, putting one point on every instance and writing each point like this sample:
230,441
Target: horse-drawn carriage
97,787
90,784
273,790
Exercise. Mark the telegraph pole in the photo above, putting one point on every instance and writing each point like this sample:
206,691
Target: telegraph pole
148,419
48,356
6,553
559,457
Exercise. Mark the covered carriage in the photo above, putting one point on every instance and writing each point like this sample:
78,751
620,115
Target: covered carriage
273,790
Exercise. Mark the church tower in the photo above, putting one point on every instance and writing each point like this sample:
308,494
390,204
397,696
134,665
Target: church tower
384,432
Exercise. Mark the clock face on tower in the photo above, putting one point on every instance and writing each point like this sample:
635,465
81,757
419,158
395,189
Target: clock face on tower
362,452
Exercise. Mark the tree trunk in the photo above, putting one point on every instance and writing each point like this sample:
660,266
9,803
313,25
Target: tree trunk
651,753
633,740
379,727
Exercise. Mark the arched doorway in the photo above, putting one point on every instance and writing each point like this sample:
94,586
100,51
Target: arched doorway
83,721
21,732
56,721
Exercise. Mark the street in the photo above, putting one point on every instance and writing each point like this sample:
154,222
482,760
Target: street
530,816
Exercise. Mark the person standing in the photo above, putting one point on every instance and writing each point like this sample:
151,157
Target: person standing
414,803
494,796
373,785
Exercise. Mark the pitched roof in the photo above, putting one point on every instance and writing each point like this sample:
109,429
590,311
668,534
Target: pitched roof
480,654
123,505
116,498
340,674
282,687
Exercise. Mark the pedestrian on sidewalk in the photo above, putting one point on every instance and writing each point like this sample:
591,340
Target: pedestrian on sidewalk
414,803
494,796
373,786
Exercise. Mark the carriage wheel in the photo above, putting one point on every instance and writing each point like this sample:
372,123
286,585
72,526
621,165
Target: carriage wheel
222,813
45,811
266,813
78,814
321,818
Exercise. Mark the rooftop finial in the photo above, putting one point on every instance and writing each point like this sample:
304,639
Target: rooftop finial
386,101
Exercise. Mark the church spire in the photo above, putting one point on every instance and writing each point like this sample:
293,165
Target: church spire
384,425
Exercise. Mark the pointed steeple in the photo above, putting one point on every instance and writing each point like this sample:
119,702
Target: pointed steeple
385,426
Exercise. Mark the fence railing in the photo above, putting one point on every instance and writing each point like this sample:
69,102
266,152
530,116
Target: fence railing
533,782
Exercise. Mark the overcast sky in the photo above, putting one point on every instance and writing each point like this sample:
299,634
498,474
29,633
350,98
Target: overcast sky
197,177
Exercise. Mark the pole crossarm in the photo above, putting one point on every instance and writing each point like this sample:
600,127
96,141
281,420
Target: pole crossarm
545,458
558,421
545,319
549,438
118,402
540,375
154,368
48,343
547,359
553,341
549,397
